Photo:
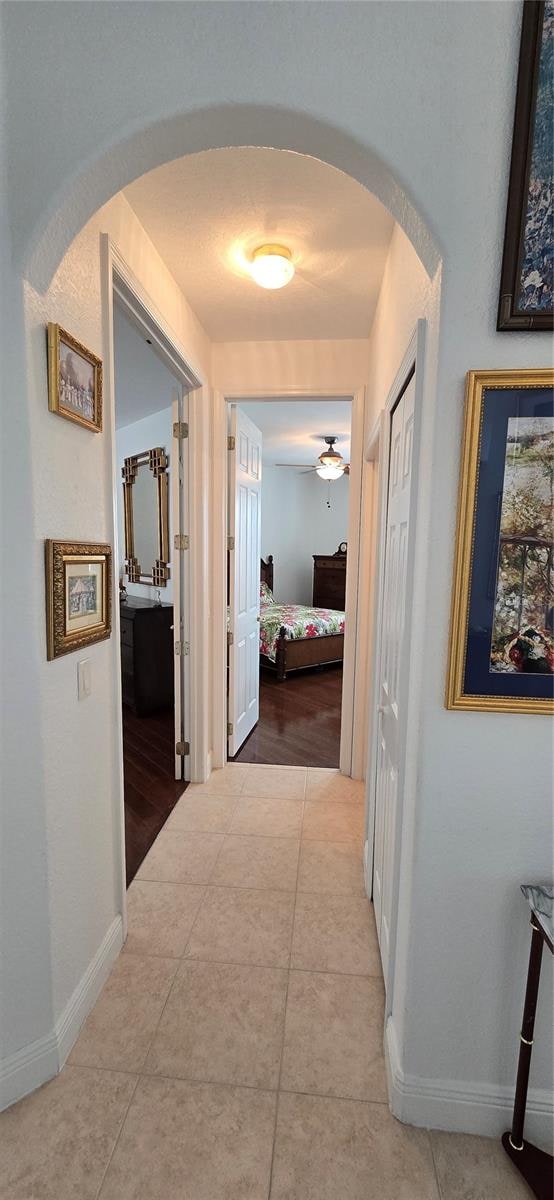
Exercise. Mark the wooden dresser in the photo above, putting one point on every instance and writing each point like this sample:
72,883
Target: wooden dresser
146,655
329,580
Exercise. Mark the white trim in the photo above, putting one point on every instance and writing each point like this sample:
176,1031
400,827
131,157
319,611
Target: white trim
459,1105
377,451
33,1065
353,729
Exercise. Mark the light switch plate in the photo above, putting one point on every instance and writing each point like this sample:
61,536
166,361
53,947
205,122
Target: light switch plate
84,679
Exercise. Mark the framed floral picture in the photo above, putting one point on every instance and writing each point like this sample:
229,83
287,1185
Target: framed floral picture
74,380
501,655
527,280
78,595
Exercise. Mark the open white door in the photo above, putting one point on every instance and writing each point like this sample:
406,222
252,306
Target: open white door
393,663
178,475
245,485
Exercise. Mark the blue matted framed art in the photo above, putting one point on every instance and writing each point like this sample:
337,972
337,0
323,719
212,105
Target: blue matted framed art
501,655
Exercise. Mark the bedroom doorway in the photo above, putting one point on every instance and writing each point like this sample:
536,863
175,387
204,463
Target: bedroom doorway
290,508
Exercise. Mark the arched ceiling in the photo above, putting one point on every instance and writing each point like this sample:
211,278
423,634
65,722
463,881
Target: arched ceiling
207,212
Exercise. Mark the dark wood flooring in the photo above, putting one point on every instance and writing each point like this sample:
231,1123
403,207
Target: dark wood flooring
299,723
151,790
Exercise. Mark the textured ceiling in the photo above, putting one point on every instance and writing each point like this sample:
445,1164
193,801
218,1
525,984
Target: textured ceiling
293,430
206,213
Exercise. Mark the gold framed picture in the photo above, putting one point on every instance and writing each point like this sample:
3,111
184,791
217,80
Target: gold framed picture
501,654
74,380
78,595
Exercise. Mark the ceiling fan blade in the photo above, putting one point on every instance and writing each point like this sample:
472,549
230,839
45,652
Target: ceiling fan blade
305,466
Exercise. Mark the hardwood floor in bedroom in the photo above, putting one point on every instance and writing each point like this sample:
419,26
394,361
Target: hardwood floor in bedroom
150,789
299,723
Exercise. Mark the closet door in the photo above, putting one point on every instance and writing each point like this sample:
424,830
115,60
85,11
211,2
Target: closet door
245,487
393,666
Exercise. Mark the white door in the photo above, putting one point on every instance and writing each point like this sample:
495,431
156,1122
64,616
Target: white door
245,485
178,476
393,666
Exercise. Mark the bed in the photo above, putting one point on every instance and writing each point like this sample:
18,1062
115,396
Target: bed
293,636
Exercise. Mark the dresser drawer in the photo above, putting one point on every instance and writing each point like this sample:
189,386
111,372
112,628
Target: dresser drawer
126,658
126,632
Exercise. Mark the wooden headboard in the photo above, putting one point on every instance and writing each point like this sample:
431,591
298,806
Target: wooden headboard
266,571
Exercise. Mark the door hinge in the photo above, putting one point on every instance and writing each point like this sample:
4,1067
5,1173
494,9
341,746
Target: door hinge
182,648
181,541
182,748
180,430
230,543
229,729
231,442
229,638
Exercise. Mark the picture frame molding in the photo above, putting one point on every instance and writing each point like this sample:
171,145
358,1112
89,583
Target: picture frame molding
55,335
520,165
456,698
57,553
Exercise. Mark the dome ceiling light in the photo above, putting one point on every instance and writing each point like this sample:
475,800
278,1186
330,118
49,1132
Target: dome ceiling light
272,266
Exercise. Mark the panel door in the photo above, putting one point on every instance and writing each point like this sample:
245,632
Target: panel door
179,523
245,484
393,665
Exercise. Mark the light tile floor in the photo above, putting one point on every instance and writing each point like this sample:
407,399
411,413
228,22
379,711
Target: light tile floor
235,1052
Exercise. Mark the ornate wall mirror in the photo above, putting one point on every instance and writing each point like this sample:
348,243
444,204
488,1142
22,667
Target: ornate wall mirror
145,497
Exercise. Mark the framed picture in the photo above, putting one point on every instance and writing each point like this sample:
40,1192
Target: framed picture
78,595
74,380
527,281
502,623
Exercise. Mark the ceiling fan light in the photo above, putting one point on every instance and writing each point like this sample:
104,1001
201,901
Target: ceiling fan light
272,266
330,471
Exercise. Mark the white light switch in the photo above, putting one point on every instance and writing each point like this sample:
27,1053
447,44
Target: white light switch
84,680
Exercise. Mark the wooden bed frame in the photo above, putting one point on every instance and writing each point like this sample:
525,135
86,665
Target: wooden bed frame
293,654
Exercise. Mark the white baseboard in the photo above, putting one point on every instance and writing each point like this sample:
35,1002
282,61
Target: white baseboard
33,1065
460,1106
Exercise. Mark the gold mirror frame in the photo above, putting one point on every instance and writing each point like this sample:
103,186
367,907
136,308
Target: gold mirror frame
157,462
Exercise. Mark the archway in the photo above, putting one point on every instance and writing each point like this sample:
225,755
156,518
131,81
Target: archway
210,129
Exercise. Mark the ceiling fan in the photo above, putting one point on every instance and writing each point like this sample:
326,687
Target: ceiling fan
330,464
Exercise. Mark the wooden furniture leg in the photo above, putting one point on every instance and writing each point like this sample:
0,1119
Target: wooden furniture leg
281,655
534,1164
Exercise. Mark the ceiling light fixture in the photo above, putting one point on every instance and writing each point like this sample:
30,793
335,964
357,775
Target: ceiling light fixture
332,465
329,472
272,266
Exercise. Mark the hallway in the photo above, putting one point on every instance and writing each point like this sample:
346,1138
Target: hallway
236,1050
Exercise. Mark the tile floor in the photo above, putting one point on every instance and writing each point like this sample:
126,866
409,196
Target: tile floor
235,1052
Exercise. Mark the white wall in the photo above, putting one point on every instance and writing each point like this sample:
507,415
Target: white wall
419,139
61,848
296,524
155,430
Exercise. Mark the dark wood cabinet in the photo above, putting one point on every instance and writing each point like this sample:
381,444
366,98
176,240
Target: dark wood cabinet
146,655
329,580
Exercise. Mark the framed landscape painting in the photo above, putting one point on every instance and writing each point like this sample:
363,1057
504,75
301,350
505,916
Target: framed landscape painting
501,654
527,282
74,380
78,595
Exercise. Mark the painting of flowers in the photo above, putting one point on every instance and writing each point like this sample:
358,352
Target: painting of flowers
527,283
523,614
501,655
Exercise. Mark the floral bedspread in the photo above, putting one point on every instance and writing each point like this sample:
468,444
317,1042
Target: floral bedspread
298,621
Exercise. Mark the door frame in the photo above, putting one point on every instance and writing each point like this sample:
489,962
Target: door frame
117,278
353,730
377,452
